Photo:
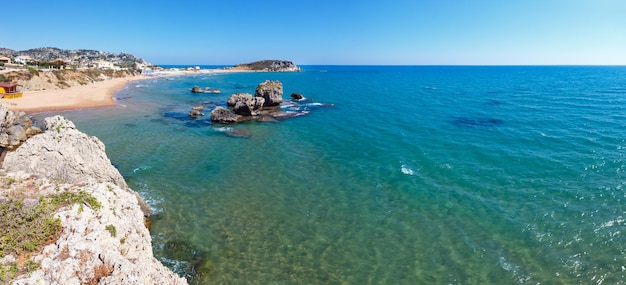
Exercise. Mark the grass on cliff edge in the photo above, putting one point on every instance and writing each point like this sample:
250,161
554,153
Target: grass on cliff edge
28,227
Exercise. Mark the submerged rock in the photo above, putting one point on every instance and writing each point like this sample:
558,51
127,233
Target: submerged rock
238,133
476,122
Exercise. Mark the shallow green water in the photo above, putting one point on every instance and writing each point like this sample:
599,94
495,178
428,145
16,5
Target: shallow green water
417,175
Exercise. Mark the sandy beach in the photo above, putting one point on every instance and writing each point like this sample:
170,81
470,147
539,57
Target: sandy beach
99,94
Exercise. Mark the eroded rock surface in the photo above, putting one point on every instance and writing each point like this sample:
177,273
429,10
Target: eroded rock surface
64,153
105,245
271,91
15,128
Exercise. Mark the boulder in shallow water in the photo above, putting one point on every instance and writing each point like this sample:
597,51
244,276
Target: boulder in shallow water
233,99
196,89
250,107
271,91
224,116
297,96
196,112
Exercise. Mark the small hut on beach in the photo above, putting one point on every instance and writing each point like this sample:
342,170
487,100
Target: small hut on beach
9,91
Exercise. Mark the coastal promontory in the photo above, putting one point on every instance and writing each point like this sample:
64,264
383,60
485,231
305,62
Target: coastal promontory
76,219
269,65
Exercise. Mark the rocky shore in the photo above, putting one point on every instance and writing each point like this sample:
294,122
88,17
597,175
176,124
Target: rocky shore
102,242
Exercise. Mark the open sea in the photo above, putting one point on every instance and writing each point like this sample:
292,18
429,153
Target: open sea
393,175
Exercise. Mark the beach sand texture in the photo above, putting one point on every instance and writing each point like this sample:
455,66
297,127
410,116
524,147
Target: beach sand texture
99,94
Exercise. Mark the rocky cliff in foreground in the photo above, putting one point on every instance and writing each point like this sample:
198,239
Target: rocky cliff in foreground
107,244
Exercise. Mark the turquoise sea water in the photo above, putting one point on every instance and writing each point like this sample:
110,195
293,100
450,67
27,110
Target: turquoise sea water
417,175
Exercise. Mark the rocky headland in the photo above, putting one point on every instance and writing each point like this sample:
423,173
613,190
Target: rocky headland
101,239
269,66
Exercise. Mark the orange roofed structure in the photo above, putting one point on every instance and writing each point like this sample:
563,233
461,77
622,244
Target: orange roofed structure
9,91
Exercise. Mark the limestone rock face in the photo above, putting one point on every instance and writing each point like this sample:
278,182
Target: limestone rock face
233,99
64,153
15,128
251,107
224,116
110,244
271,91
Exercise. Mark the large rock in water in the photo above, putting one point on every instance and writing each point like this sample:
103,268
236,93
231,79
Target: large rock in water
271,91
233,99
246,105
224,116
64,153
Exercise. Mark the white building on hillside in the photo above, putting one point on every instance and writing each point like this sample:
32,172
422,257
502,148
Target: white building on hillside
23,59
103,64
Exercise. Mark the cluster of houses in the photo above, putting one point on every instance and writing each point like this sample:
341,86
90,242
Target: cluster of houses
25,60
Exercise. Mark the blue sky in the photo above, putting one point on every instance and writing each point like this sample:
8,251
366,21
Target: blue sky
413,32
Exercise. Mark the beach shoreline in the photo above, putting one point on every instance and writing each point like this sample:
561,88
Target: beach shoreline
94,95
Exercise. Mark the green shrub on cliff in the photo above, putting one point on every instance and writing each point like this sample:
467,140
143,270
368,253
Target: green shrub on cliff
28,226
33,71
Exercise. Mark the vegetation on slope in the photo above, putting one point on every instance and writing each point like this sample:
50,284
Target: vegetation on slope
28,224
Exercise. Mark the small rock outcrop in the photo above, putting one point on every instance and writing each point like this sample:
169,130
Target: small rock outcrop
224,116
297,96
196,89
271,91
15,128
196,112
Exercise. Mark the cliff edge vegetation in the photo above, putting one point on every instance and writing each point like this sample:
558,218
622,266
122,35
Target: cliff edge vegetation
68,216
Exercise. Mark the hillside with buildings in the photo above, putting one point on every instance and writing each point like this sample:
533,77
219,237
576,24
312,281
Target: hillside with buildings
50,57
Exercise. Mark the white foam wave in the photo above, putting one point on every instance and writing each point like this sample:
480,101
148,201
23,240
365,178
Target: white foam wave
223,129
406,169
141,168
